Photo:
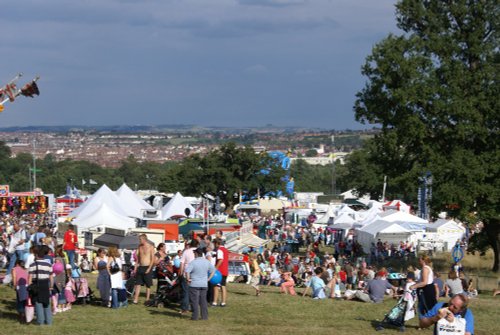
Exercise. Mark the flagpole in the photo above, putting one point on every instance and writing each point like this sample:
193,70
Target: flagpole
208,221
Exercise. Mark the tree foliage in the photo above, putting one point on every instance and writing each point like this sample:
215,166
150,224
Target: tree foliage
434,90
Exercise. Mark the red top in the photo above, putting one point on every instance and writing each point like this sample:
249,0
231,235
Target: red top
70,240
223,254
343,276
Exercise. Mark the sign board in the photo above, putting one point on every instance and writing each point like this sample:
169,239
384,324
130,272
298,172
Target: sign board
89,239
4,191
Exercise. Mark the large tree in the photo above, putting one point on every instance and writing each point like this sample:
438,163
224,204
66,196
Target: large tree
227,171
434,90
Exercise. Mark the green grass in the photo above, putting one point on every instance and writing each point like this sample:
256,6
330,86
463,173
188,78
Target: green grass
271,313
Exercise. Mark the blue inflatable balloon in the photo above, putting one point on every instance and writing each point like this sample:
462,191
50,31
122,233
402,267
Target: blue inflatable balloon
177,262
217,278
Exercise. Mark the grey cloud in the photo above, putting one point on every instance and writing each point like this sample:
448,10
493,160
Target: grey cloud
256,69
271,3
256,26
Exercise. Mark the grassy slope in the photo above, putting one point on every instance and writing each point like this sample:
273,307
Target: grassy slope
271,313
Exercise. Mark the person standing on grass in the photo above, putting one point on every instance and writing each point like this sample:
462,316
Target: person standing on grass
70,244
16,248
221,264
144,267
426,290
256,270
40,273
20,284
103,282
187,257
198,272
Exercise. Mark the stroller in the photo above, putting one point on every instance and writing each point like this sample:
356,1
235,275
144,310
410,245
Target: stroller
169,287
395,316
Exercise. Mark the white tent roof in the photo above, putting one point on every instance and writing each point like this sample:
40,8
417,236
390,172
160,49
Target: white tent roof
104,216
330,214
443,225
130,200
176,207
102,195
393,216
345,209
384,227
343,218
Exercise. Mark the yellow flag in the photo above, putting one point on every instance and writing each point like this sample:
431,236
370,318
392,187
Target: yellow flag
1,108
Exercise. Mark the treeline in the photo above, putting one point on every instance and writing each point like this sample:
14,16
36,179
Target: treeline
224,172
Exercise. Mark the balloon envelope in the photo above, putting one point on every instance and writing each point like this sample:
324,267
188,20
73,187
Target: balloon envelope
58,268
217,278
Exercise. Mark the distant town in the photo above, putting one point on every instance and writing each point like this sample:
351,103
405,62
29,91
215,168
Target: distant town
108,146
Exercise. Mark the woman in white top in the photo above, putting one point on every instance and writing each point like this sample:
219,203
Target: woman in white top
116,276
426,290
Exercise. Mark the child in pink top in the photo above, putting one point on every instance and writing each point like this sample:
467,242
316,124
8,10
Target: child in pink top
288,284
20,282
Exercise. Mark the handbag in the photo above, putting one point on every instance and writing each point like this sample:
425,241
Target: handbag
33,287
29,311
115,268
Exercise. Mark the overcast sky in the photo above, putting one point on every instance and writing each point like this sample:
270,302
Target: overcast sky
203,62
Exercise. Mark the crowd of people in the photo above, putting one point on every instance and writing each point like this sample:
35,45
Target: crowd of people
36,261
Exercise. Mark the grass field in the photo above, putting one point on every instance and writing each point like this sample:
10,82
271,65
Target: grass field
271,313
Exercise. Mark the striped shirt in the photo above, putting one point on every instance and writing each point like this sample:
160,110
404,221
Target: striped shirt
40,270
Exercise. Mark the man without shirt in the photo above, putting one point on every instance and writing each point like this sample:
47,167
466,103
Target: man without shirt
144,267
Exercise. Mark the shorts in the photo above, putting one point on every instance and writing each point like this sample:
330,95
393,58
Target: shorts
142,278
223,281
254,282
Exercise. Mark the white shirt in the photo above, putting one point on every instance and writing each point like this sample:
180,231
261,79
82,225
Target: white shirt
14,241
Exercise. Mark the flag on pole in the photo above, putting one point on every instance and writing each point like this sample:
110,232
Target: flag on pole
84,182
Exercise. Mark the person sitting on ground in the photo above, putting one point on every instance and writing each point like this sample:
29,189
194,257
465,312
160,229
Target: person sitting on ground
438,283
374,290
274,276
288,284
444,314
317,284
453,284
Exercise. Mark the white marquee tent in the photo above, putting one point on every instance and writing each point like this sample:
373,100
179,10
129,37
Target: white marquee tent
328,217
102,195
391,232
104,216
130,200
398,216
447,231
176,207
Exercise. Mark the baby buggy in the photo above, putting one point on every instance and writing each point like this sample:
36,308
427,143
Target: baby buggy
169,288
397,315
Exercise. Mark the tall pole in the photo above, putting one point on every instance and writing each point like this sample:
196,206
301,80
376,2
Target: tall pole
34,164
383,189
334,181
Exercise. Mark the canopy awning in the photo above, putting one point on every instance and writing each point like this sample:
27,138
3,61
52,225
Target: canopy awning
121,242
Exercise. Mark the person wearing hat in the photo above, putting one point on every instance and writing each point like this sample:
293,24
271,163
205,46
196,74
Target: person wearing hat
198,272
